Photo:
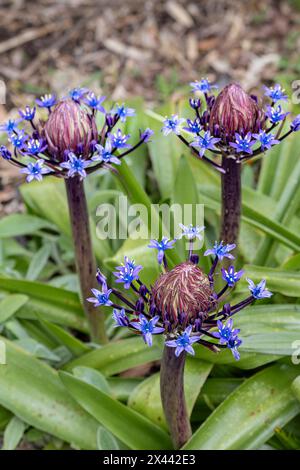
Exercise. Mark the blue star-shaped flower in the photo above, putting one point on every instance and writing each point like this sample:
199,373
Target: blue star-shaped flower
127,272
118,140
18,139
266,140
221,251
193,126
75,165
77,94
275,114
191,232
46,101
10,126
101,298
95,102
295,125
104,154
184,342
259,291
203,85
230,276
243,144
124,112
120,317
147,328
227,335
162,246
35,146
205,142
276,93
28,113
172,124
146,135
35,171
5,153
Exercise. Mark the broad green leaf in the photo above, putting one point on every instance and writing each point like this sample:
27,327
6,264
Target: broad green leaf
280,344
248,417
105,440
37,349
63,337
33,392
15,225
92,377
5,417
146,397
293,263
38,262
121,387
10,305
13,433
130,427
296,387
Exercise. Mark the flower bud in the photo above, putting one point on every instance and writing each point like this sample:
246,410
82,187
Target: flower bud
185,290
70,129
235,111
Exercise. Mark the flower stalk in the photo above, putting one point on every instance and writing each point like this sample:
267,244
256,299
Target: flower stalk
231,200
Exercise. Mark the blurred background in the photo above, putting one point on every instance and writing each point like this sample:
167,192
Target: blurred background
151,49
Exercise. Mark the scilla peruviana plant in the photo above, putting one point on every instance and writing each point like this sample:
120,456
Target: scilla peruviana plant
233,127
183,306
67,144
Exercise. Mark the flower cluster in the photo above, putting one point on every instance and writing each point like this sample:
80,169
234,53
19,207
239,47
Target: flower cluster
231,124
182,304
67,143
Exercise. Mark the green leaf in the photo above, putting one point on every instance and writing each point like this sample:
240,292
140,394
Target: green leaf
92,377
296,387
248,417
63,337
10,305
133,429
33,392
13,433
15,225
105,440
5,416
38,262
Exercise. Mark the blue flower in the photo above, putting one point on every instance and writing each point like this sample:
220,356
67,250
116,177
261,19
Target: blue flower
46,101
172,124
162,246
119,140
75,165
127,272
191,232
35,171
5,153
10,126
230,276
101,297
243,144
276,93
295,125
266,140
104,154
147,328
184,342
275,115
120,317
95,102
195,103
233,343
77,94
146,135
193,126
259,291
221,251
225,331
205,142
28,113
35,146
203,85
124,112
18,139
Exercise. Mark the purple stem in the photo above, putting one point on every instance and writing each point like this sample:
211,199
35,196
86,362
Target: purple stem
231,200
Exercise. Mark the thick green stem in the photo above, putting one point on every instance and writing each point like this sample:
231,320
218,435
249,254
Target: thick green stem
84,257
172,396
231,200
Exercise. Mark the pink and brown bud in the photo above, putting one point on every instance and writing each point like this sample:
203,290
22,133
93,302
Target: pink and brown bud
70,128
183,290
235,111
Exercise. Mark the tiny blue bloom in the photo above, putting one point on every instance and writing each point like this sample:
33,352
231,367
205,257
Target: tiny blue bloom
124,112
35,171
191,232
233,343
77,94
230,276
104,154
243,144
221,251
276,93
203,85
147,328
195,103
225,331
205,142
119,140
120,317
295,125
95,102
183,342
46,101
18,140
101,297
172,124
28,113
75,165
162,246
193,126
127,272
266,140
10,126
146,135
275,114
5,153
35,146
259,291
